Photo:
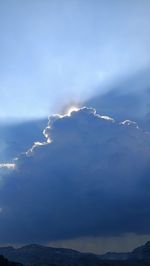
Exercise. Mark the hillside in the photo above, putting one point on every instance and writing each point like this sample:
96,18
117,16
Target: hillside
36,255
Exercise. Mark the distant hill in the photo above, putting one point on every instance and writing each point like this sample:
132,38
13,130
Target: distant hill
36,255
5,262
141,253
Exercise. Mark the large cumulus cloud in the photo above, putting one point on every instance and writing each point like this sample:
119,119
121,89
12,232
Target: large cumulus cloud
90,178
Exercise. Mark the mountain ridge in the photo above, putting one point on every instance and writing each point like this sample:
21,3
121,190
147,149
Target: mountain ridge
39,255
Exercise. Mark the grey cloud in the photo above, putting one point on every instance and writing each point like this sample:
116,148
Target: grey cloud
16,138
91,180
128,98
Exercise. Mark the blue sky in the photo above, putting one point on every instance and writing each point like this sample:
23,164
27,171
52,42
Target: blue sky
54,53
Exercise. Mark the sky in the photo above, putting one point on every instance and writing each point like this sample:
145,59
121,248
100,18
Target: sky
93,163
55,53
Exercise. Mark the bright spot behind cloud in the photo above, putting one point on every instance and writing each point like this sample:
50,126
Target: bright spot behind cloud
72,109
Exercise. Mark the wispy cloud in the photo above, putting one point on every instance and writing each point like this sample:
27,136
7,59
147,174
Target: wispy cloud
8,165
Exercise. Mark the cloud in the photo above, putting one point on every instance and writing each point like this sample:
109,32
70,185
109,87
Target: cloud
91,179
7,165
16,138
128,98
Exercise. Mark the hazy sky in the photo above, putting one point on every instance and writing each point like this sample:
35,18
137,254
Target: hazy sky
56,52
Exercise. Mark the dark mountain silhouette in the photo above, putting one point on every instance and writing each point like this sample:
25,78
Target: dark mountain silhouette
115,256
142,252
36,255
5,262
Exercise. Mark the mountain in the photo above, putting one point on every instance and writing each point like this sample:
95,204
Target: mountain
141,253
40,255
5,262
37,255
138,254
115,256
